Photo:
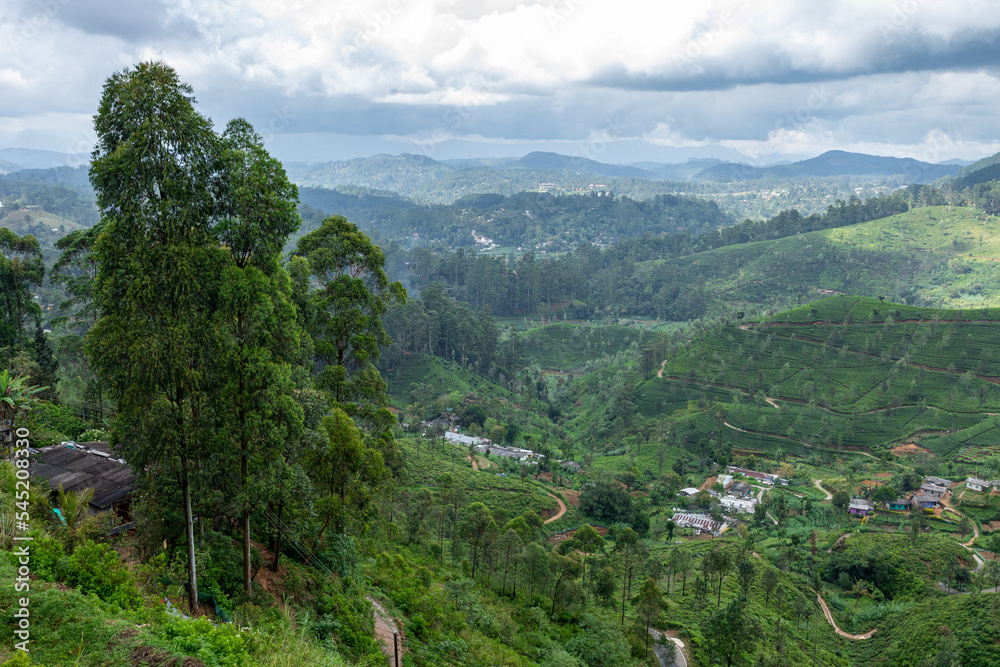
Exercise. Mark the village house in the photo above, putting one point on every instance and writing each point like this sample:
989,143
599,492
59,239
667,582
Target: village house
461,439
700,522
924,500
516,453
572,465
933,490
725,480
737,504
939,481
762,477
976,484
899,504
689,491
78,467
740,489
860,506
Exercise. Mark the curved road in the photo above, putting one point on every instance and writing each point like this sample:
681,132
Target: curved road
562,505
829,496
562,509
829,617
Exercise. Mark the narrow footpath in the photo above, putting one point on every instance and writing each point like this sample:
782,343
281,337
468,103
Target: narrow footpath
829,617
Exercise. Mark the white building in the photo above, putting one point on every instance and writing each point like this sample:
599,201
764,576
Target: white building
976,484
738,504
461,439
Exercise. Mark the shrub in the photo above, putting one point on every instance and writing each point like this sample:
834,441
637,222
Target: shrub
215,645
96,568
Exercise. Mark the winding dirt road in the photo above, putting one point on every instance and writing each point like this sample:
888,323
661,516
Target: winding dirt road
562,509
829,617
829,496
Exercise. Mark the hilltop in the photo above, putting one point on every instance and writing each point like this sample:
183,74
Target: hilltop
931,255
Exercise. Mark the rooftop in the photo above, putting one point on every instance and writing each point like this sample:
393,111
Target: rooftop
78,468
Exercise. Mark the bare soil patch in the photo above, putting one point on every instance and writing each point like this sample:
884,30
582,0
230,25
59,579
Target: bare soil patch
910,448
572,497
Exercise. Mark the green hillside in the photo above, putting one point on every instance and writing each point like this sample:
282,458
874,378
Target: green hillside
843,373
569,346
934,256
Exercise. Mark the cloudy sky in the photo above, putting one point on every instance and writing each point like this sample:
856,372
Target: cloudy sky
615,81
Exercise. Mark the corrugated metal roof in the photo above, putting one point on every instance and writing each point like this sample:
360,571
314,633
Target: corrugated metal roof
78,469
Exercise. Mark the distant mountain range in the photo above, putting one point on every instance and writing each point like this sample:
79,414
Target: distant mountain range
833,163
31,158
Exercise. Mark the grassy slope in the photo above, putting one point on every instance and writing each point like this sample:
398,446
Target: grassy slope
429,459
443,375
870,383
941,255
569,346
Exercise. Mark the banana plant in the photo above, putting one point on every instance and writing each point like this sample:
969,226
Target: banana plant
15,396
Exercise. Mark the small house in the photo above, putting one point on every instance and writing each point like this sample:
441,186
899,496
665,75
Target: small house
572,465
689,491
899,504
923,500
87,466
976,484
740,489
860,506
737,504
700,522
939,481
725,480
933,490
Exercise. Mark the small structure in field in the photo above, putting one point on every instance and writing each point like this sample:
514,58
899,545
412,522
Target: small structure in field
860,506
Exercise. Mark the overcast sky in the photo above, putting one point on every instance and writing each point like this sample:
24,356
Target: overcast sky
615,80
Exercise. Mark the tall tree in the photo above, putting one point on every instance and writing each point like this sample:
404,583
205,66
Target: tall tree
152,170
256,211
649,602
346,324
21,267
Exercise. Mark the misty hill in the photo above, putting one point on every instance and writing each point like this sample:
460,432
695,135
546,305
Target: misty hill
31,158
983,171
557,162
833,163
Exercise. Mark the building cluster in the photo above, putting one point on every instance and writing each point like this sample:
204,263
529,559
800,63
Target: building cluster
930,495
516,453
763,477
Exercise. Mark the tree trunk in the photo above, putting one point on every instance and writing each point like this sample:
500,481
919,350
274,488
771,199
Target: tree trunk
277,538
245,524
189,529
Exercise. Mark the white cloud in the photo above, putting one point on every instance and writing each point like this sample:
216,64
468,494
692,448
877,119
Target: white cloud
737,72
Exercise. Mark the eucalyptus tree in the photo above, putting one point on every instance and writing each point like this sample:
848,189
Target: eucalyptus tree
345,321
159,264
255,214
21,267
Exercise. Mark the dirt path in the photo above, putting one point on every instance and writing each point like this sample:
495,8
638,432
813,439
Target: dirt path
475,466
975,528
829,617
385,626
829,496
562,509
